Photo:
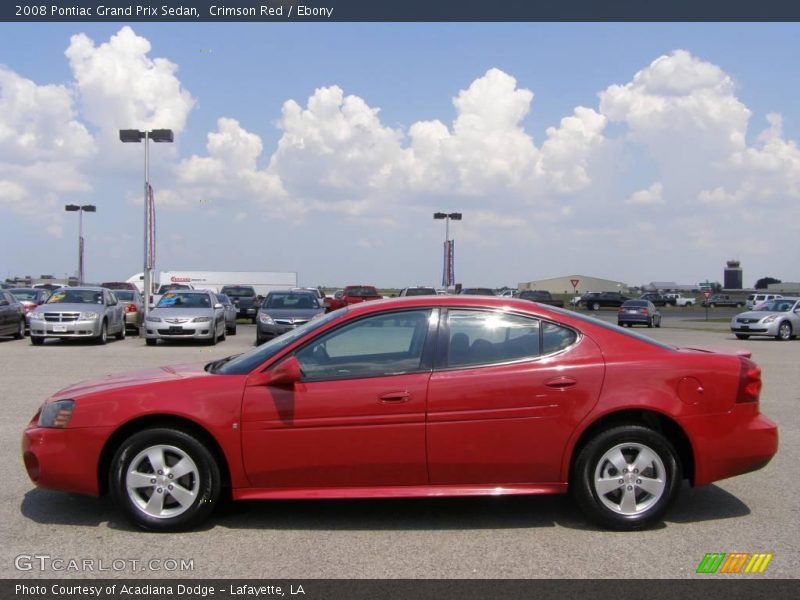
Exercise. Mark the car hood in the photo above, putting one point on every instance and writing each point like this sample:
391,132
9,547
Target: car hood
292,313
183,313
69,307
758,314
132,379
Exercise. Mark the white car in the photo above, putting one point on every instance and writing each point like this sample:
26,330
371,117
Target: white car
754,300
778,318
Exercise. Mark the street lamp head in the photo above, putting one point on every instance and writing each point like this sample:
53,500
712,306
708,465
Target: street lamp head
439,215
131,135
72,208
455,216
162,135
89,208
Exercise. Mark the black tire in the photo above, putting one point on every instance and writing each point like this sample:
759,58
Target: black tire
738,305
122,332
223,334
212,341
784,332
658,323
742,336
232,330
20,333
173,445
712,305
150,341
630,441
37,340
595,306
103,337
650,323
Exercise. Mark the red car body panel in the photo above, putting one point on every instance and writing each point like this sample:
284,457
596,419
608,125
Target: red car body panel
494,429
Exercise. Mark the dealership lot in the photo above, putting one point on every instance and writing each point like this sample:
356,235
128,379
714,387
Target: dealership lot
482,537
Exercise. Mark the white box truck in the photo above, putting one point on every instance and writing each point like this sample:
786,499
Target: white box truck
262,281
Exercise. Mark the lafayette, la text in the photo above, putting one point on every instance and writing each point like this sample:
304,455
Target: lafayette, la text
147,589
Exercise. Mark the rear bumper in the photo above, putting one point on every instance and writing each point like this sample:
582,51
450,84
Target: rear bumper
731,444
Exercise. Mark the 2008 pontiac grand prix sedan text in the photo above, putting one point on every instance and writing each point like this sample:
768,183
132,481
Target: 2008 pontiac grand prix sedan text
420,396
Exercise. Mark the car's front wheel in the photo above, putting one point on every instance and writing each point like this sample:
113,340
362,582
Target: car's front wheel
102,338
165,480
626,477
784,331
596,306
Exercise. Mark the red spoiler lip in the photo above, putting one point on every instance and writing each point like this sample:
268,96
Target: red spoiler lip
719,350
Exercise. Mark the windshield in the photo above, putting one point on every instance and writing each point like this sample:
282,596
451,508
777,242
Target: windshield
75,296
277,300
24,294
184,300
244,363
777,305
239,291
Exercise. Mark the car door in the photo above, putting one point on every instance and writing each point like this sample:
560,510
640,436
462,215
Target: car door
6,312
506,393
357,418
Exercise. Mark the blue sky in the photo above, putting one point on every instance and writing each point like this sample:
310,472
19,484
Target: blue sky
342,194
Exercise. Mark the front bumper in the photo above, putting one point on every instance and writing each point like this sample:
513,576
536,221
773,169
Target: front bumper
69,329
64,459
184,331
731,444
267,332
759,328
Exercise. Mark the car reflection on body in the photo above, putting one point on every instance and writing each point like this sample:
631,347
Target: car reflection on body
424,396
284,310
78,312
778,318
186,315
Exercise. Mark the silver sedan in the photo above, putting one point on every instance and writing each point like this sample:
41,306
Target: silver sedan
778,318
186,315
85,312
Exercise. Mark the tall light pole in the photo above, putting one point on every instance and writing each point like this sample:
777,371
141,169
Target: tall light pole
80,209
448,269
136,136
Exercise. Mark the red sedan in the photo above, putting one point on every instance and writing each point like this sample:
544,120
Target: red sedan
420,396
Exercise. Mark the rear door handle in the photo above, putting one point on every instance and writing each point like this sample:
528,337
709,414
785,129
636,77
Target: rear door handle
561,382
392,397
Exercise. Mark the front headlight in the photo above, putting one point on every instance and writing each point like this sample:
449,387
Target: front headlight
265,319
37,316
201,319
153,319
769,319
56,414
88,316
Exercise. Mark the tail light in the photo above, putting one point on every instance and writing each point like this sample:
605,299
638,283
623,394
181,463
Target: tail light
645,312
749,381
621,310
131,308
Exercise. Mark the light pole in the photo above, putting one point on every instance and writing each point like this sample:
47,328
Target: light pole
80,209
135,136
448,275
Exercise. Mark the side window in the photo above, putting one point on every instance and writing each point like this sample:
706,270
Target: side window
556,338
387,344
483,337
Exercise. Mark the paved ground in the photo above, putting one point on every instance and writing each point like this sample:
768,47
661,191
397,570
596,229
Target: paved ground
472,538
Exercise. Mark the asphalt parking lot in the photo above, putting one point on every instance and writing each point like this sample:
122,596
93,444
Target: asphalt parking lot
515,537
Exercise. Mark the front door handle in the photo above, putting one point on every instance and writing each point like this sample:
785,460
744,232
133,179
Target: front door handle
561,382
393,397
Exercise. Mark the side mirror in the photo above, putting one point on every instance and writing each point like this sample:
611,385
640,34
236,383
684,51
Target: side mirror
287,372
218,305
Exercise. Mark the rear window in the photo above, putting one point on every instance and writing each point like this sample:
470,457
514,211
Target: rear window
362,291
637,303
420,291
124,294
239,291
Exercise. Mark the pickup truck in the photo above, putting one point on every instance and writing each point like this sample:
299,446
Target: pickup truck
678,300
540,296
352,294
723,300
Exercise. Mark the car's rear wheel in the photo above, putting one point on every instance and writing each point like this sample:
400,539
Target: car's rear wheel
650,323
164,480
658,322
784,331
20,330
121,334
595,306
742,336
626,477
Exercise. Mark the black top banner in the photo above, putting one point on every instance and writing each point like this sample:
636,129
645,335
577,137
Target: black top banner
398,10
